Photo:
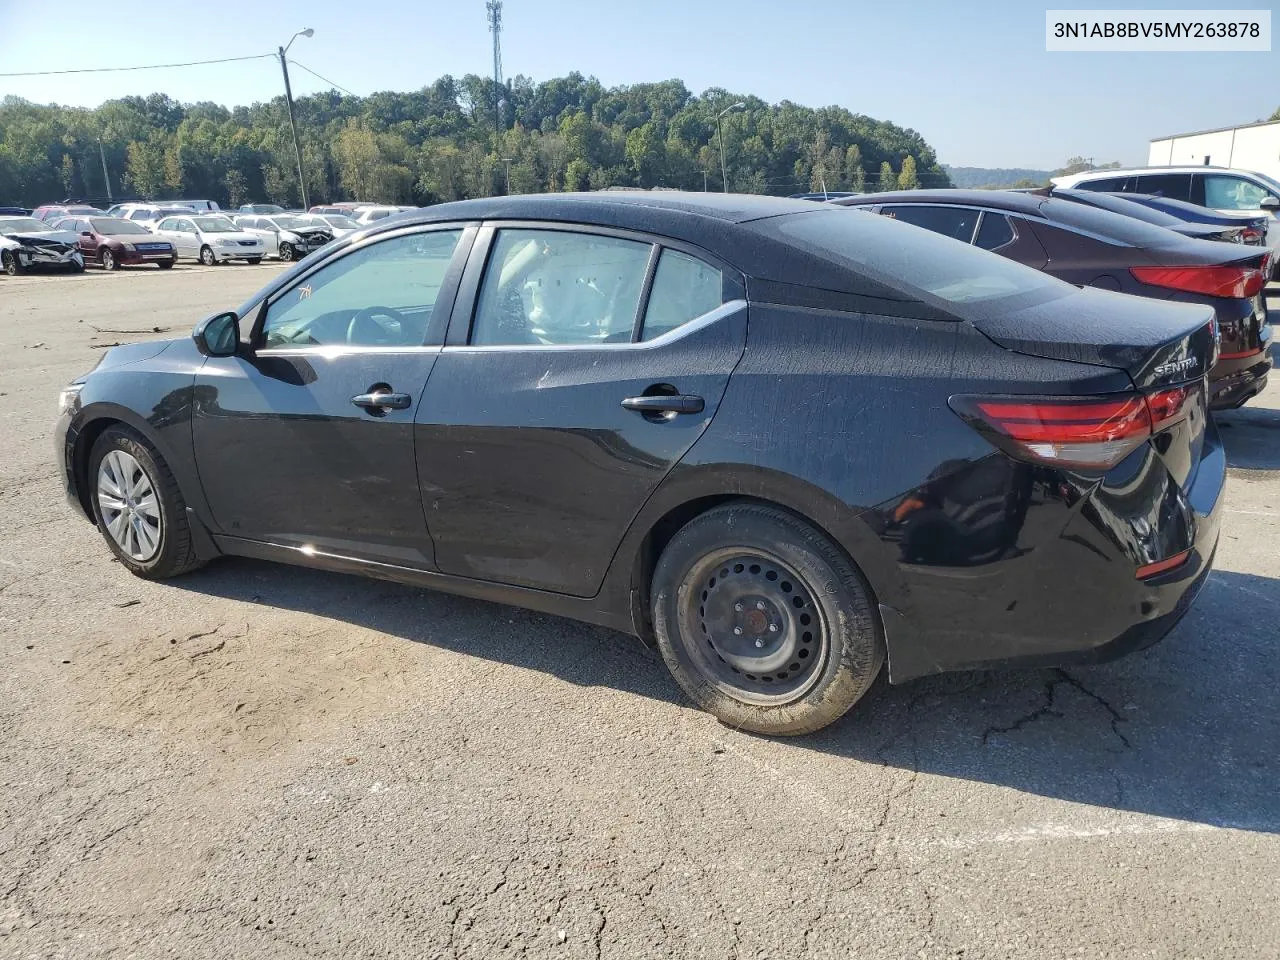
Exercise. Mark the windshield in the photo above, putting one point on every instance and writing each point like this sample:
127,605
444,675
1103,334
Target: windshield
341,222
909,258
289,223
111,227
1269,181
216,225
23,225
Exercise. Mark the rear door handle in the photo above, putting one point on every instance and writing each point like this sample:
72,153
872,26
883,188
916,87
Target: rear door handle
680,403
381,400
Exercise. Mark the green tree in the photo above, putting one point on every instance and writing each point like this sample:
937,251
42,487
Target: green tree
907,179
854,173
887,180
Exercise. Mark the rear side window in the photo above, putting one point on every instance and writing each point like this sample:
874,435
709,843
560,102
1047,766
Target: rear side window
954,222
994,232
545,287
1176,186
684,288
1104,185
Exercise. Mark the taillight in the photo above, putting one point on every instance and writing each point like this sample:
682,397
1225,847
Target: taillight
1086,432
1252,235
1212,281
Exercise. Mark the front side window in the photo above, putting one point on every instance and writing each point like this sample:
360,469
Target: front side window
1232,193
954,222
380,295
556,287
684,288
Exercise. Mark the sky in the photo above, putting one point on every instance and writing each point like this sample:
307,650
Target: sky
972,78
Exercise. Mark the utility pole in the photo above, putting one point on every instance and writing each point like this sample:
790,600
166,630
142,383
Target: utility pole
724,167
494,9
507,161
105,176
288,97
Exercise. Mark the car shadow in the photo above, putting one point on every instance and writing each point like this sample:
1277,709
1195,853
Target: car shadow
1184,730
1251,437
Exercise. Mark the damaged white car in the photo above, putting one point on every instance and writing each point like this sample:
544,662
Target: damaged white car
27,243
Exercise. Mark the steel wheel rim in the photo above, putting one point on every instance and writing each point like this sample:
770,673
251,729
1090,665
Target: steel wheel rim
753,626
129,506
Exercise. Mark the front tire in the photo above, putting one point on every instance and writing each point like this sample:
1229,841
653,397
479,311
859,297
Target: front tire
138,506
207,257
254,261
166,264
764,622
108,260
287,253
9,263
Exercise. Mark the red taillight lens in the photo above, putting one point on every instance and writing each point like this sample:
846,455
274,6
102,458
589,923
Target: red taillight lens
1252,235
1212,281
1088,432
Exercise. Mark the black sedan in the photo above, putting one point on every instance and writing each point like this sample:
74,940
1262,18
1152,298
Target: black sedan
784,440
1098,248
1127,208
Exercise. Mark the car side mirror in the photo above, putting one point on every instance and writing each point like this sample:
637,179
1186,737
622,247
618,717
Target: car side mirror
85,233
1270,203
218,336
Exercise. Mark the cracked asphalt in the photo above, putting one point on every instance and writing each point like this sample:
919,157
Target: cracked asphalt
262,761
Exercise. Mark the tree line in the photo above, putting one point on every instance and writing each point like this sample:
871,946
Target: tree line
451,140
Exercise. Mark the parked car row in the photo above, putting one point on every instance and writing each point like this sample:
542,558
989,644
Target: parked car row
1107,241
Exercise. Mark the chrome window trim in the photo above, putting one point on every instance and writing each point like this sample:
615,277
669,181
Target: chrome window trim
339,350
726,309
1011,214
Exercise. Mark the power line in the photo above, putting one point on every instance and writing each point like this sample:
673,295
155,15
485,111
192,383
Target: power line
325,79
151,66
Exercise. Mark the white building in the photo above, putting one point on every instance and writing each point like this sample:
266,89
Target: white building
1253,146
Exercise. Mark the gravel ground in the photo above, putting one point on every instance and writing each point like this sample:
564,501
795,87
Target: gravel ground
263,761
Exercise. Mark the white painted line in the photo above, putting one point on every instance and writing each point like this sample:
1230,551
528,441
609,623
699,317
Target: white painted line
1057,832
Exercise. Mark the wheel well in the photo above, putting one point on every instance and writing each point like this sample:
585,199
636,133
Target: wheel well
667,526
80,458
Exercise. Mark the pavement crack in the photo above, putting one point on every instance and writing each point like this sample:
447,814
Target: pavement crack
1044,710
1116,717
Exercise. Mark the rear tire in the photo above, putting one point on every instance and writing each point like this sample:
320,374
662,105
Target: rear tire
207,257
764,622
132,487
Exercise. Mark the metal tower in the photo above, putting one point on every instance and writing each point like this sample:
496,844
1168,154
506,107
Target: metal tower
494,8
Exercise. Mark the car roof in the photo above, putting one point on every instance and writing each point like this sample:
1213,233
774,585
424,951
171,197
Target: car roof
1030,203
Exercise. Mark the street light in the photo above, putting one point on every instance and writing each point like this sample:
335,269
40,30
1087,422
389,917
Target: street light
288,97
724,169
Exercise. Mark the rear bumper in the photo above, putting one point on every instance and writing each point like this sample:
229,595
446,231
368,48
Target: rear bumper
1045,598
1246,381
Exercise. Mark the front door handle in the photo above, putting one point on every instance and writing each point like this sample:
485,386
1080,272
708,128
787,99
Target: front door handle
383,400
680,403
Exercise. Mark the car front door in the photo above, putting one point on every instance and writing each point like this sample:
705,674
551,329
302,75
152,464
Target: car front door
580,367
306,439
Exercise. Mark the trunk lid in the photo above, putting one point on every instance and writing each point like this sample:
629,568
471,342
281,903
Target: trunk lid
1156,342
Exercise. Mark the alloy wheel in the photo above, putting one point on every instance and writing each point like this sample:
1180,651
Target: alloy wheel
130,508
753,626
286,252
108,261
207,257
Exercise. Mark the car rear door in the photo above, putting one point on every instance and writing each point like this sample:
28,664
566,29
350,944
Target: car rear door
307,439
581,364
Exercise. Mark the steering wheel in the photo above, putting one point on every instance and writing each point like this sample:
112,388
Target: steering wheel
363,328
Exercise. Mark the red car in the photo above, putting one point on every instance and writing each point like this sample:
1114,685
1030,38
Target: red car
56,211
110,243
